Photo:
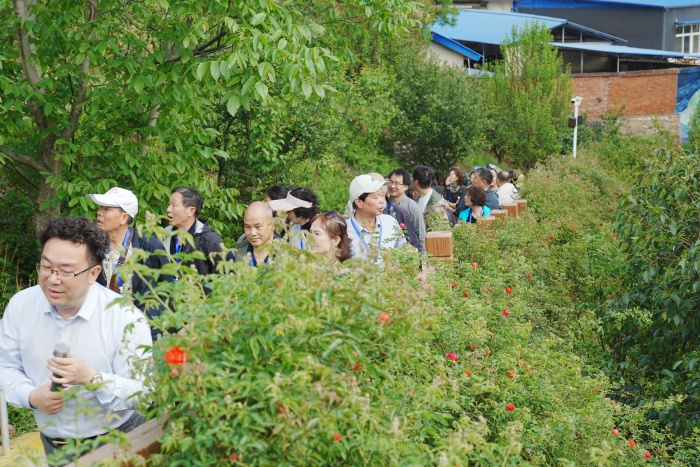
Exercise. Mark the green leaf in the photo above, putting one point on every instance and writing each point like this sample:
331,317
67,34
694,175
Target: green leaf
137,84
202,70
306,89
257,19
319,90
214,70
261,89
233,105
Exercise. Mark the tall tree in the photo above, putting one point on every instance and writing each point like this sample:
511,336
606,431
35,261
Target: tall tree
107,92
527,97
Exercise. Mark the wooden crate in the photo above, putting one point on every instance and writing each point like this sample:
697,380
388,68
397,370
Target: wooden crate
439,243
499,213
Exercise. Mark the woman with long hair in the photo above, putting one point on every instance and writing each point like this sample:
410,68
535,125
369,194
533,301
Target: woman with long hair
330,234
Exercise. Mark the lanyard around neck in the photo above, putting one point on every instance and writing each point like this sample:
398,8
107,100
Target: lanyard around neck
359,234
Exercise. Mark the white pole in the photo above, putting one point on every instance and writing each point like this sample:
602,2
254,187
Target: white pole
4,426
577,101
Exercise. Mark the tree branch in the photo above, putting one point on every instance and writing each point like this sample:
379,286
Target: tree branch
81,91
21,8
22,159
201,50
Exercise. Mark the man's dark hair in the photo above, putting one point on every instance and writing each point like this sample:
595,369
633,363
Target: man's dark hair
190,198
433,177
305,195
362,197
79,230
422,175
476,194
403,173
276,192
485,174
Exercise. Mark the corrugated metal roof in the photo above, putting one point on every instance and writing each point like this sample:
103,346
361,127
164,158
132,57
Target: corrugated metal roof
605,3
621,50
456,46
493,27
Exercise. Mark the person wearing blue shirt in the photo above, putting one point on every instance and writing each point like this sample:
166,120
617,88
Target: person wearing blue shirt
474,200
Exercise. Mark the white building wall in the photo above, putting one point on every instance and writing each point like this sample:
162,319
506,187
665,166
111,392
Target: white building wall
445,55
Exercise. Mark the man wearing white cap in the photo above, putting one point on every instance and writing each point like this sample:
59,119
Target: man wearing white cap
117,209
368,228
300,205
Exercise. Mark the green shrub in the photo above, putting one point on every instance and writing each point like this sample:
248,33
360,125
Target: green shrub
654,326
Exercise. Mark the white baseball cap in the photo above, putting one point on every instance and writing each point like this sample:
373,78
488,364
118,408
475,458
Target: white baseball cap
117,198
365,184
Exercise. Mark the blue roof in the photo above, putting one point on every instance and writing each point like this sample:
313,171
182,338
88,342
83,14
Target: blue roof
493,27
456,46
621,50
604,3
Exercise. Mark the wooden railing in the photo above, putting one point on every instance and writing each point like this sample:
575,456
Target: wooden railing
440,245
144,442
4,426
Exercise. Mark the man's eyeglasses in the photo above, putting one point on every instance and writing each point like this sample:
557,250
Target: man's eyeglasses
397,184
47,271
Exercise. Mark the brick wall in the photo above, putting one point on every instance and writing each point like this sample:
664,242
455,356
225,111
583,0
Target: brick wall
641,92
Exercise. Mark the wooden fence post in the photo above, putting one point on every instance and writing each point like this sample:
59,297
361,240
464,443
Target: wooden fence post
499,213
522,205
512,209
439,245
485,222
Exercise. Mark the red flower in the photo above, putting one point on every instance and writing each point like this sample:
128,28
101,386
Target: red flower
471,347
383,317
511,373
506,313
174,372
452,356
510,407
337,437
420,279
601,224
596,390
632,443
488,352
454,285
356,367
175,356
529,275
647,454
234,457
615,432
509,290
402,225
488,289
475,265
551,237
468,373
466,295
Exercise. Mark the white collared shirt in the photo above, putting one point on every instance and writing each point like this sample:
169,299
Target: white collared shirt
391,233
108,338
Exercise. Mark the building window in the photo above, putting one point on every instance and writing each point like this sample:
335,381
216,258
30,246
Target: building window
688,38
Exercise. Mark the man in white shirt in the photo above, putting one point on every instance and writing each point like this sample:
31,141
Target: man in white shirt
507,192
368,228
106,341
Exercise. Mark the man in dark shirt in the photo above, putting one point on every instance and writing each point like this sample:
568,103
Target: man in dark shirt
483,179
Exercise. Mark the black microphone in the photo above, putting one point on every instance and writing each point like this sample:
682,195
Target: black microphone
61,351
